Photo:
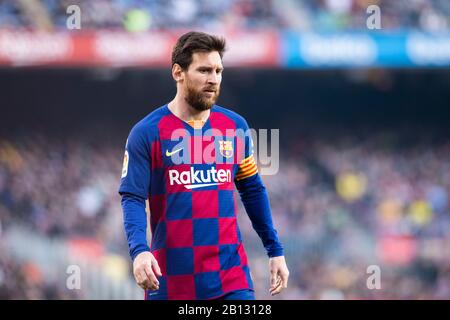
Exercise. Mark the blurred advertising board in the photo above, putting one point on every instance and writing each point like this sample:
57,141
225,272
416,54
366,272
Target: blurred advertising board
377,49
245,49
112,48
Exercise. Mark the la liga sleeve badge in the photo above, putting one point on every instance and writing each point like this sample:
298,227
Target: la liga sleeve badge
125,165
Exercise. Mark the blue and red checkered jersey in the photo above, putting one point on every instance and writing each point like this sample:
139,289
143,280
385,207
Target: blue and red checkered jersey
189,173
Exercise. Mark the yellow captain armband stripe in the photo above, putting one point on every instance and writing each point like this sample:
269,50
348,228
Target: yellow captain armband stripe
246,175
247,168
247,160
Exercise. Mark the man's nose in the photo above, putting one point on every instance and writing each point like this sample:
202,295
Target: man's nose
213,78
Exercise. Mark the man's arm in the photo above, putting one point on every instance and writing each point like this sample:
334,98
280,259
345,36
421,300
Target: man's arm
145,265
256,202
135,223
134,188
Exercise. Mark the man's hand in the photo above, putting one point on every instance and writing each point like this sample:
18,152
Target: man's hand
279,275
145,267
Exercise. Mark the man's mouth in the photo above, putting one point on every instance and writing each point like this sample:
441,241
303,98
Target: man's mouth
210,93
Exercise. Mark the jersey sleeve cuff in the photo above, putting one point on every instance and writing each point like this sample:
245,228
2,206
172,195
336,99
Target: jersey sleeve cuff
138,250
275,253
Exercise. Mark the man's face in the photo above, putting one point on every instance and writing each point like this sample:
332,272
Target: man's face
202,80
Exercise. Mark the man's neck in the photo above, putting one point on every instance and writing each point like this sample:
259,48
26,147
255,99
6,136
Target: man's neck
179,107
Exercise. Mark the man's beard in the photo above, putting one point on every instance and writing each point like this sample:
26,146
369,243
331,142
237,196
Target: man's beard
197,99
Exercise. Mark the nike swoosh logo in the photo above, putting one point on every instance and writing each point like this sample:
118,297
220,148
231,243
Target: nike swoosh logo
169,154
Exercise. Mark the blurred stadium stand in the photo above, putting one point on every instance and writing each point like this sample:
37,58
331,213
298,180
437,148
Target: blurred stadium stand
363,116
296,15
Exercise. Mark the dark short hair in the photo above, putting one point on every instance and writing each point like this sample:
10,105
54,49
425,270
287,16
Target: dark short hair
192,42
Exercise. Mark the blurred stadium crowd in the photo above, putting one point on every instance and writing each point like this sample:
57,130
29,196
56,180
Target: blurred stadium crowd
379,199
298,15
25,280
339,205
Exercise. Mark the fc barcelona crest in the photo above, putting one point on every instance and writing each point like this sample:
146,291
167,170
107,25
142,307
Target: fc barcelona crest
226,148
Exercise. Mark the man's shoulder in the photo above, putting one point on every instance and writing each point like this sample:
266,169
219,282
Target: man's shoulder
153,117
233,115
149,124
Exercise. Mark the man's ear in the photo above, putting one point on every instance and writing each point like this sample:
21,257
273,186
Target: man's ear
177,73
